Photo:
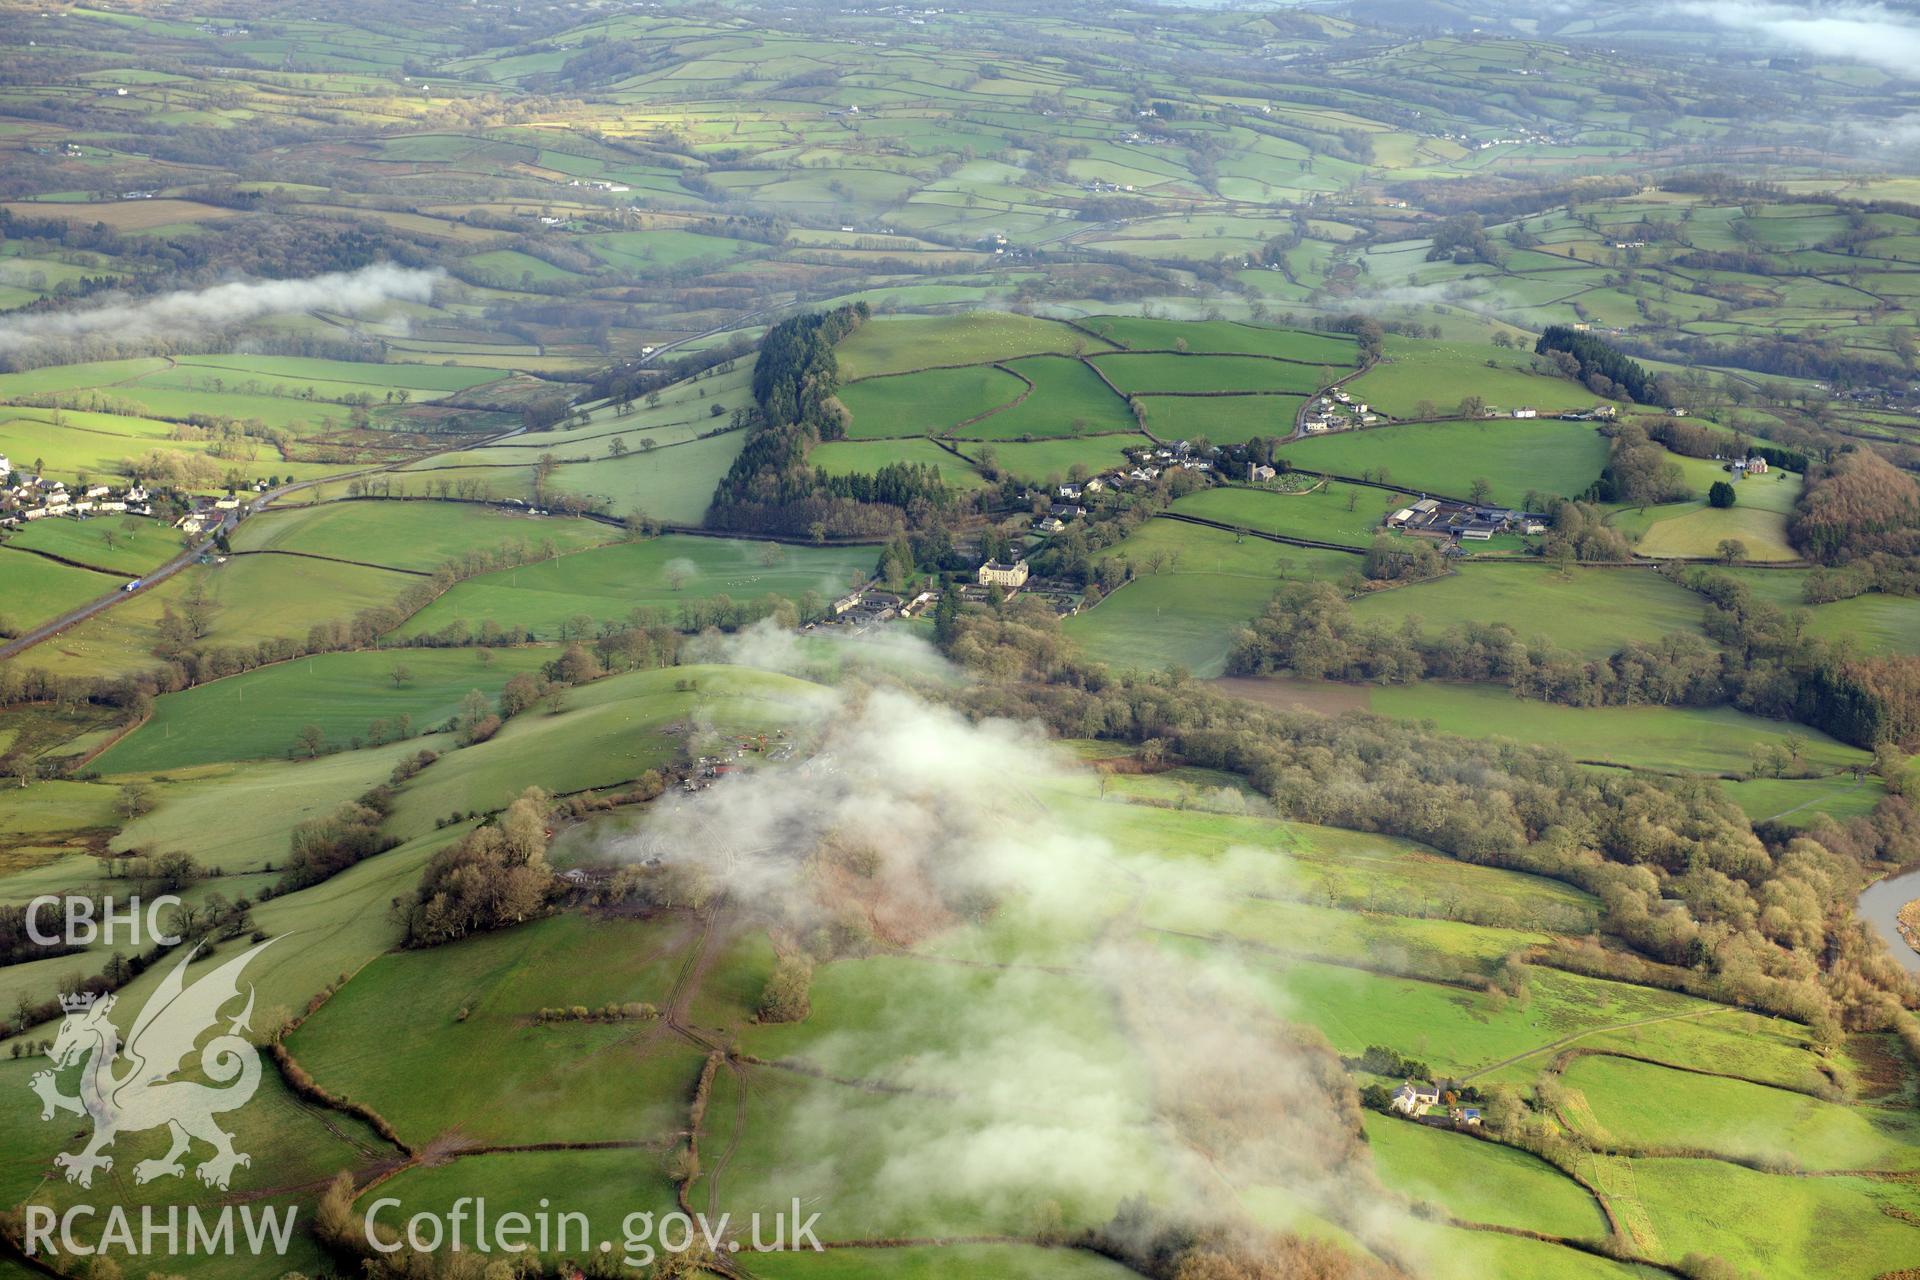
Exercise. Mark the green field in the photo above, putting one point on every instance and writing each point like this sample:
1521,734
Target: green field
931,402
255,597
1447,457
1068,399
254,716
606,733
238,817
1039,461
905,343
1181,619
1700,531
1221,419
1195,587
1322,515
1070,964
1689,739
1786,1227
846,457
1174,373
494,1074
673,483
607,583
1481,1181
1417,371
409,535
1590,613
1138,333
115,544
1640,1106
34,589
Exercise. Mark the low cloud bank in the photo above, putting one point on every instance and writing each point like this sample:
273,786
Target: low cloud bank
192,311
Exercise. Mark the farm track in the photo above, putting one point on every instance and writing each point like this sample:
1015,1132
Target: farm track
1592,1031
1807,804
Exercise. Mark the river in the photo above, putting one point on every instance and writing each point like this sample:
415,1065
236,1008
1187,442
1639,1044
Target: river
1878,906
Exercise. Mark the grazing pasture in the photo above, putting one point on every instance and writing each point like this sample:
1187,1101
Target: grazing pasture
848,457
1224,337
1068,399
1637,1105
111,543
1586,612
481,1062
1717,740
607,583
1481,1181
606,733
35,590
1038,461
1417,371
237,818
931,402
1445,458
901,344
254,716
1332,512
409,535
1221,419
1139,374
672,483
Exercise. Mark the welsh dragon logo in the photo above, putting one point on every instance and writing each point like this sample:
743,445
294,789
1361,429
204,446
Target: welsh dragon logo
146,1093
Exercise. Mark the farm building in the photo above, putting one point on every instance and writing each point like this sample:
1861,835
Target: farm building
1437,518
1412,1099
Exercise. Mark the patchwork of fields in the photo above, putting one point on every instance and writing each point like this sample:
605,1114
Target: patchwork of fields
996,999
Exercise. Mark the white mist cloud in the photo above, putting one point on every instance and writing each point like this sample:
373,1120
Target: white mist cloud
193,311
1058,1051
1870,33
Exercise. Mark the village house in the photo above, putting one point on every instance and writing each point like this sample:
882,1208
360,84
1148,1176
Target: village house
1412,1099
1010,577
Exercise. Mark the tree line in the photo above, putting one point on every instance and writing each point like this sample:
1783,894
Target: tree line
1755,656
1705,903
